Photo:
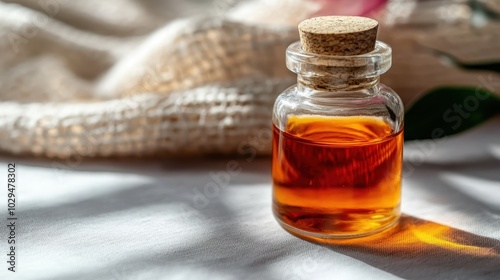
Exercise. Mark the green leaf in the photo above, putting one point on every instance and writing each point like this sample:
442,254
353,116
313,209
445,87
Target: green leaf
449,110
489,66
481,8
493,66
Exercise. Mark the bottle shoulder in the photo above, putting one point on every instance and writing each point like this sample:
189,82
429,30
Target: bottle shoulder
379,101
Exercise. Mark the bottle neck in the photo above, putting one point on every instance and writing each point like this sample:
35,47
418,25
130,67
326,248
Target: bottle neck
335,83
329,75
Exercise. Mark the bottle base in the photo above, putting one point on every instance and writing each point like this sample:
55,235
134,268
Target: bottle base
364,227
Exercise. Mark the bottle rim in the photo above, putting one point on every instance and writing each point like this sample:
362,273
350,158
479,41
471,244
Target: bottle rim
368,65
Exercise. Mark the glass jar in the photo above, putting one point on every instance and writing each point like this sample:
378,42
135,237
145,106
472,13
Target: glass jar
337,146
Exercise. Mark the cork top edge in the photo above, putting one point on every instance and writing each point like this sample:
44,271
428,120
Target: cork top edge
337,25
338,35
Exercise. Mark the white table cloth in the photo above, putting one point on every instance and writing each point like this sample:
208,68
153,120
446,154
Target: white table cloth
147,219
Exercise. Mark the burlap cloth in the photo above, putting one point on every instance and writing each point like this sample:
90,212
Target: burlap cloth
95,78
116,78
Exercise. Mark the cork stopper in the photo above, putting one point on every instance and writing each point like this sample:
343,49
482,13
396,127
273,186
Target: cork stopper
338,35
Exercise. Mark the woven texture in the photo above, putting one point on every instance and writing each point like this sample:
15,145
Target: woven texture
89,78
200,85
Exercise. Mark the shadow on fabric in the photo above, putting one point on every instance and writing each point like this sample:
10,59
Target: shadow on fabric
420,249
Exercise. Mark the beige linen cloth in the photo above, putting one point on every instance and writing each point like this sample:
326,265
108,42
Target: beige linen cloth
92,78
120,78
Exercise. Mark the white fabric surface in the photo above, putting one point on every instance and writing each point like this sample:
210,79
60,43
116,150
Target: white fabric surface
129,220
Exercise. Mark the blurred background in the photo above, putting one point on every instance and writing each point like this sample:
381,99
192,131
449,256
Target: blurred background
199,77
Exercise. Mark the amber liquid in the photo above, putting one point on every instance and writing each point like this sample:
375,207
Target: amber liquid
336,176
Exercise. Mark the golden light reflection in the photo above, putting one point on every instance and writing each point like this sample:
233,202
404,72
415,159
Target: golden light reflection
413,237
443,236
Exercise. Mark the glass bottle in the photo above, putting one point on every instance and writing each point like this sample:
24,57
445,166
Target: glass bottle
337,141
